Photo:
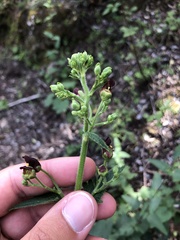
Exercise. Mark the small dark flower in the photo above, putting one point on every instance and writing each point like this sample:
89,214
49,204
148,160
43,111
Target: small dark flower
102,168
108,141
33,163
109,84
108,154
75,91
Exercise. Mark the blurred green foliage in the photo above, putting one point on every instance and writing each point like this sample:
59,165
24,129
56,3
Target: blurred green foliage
145,213
129,36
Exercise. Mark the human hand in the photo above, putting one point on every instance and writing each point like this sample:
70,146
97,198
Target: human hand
70,219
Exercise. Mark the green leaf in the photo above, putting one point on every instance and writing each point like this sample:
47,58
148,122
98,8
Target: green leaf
154,220
176,175
123,154
129,31
95,138
157,181
102,228
48,34
164,213
98,196
133,202
38,200
145,192
89,185
110,175
114,174
161,165
60,106
154,204
49,100
69,84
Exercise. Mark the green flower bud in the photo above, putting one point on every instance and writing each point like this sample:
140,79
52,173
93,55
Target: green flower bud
72,63
106,72
24,182
112,117
75,105
105,94
80,61
61,95
84,110
74,113
81,93
74,73
80,113
28,173
97,69
77,113
58,87
54,88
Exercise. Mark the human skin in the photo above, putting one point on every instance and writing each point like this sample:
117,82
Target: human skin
51,221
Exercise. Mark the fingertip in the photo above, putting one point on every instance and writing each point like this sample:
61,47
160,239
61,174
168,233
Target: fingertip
90,167
107,208
80,211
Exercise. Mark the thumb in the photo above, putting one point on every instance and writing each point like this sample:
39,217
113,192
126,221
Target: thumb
70,218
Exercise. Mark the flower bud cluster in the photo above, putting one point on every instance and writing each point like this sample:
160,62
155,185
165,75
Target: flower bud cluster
82,112
112,117
97,69
79,62
61,92
75,105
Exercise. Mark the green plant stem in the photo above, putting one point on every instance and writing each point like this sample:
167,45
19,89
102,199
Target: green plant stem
83,153
96,115
58,190
101,124
41,185
85,138
84,84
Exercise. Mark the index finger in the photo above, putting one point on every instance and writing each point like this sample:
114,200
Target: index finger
63,170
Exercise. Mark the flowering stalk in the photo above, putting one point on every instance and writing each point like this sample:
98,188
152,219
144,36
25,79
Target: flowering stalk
82,107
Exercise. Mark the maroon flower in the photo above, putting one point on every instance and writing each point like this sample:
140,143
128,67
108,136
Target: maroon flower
109,84
75,91
102,169
108,142
108,154
105,92
33,163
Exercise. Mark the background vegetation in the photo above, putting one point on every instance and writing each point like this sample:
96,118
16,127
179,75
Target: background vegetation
140,40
